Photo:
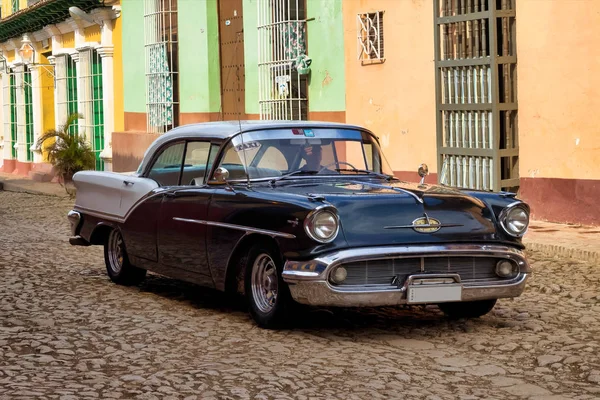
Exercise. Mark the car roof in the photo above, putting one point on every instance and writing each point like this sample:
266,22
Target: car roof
226,129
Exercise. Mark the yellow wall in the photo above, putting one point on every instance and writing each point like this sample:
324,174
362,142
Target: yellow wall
10,55
47,88
68,40
396,99
92,33
118,76
559,88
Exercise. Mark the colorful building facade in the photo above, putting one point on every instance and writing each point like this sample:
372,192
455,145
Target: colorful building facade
437,80
191,61
55,63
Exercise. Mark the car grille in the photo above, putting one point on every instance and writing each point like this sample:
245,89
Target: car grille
381,272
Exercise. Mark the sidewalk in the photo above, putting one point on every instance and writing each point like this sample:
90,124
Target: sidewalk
570,241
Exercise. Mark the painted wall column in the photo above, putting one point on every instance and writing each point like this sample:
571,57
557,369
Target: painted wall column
79,68
36,98
106,51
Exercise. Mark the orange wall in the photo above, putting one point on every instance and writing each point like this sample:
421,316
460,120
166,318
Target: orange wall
559,88
396,99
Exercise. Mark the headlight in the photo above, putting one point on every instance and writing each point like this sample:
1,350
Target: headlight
322,225
515,219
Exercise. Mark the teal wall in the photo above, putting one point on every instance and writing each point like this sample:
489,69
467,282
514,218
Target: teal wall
134,80
327,88
199,68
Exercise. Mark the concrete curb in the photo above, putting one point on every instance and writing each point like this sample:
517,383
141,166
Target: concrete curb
564,251
9,186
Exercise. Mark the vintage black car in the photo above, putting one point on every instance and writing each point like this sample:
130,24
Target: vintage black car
301,211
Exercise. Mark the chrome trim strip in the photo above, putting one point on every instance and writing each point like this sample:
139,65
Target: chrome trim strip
99,214
422,226
246,229
397,189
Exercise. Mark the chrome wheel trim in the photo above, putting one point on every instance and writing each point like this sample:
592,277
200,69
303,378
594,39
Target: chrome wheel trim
264,283
116,253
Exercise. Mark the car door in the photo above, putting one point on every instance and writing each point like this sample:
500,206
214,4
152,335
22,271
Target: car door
140,227
183,214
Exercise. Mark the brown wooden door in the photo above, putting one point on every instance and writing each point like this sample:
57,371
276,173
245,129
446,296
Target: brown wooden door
231,38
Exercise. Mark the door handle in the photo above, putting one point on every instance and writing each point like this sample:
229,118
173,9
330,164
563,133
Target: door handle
127,183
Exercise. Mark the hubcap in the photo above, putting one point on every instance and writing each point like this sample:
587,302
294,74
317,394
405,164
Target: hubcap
115,251
264,283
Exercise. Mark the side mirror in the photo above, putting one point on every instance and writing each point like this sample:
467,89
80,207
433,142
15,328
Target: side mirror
221,175
423,172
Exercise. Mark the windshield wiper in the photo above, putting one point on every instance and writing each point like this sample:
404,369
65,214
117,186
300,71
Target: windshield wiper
364,171
296,172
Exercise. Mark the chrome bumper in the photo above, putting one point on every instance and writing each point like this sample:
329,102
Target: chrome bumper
309,284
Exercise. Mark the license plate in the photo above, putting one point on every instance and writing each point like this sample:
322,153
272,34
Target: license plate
434,293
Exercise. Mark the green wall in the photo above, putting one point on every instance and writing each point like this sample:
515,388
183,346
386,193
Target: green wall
199,68
134,80
327,88
251,55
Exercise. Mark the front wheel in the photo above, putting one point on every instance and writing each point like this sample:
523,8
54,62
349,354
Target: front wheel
118,267
268,296
467,309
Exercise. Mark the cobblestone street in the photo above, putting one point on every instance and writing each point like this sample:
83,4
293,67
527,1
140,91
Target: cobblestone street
67,332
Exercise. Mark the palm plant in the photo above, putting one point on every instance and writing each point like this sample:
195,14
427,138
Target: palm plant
69,153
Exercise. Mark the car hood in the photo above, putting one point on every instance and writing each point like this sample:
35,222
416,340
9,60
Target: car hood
374,212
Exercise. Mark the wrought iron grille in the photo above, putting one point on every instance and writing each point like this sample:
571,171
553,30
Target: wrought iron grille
161,49
476,103
10,110
28,110
93,109
66,86
282,48
370,37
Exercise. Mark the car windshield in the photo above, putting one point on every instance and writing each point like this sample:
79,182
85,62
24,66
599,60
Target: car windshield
320,151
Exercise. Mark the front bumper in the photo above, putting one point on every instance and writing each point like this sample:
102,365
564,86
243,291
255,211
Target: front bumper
309,280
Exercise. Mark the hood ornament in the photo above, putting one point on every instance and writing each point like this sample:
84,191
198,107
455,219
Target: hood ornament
424,224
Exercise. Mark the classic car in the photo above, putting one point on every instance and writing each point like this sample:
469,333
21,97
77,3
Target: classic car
307,212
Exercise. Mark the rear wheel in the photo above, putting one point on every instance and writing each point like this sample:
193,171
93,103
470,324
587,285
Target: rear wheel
118,267
268,296
467,309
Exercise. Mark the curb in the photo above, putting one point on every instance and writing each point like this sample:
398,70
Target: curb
8,186
565,252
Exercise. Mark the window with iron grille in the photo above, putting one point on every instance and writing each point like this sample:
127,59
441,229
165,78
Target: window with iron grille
92,103
370,38
66,81
10,110
282,59
28,110
14,5
161,53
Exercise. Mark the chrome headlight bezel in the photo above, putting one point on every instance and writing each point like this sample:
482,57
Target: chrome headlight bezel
503,218
309,223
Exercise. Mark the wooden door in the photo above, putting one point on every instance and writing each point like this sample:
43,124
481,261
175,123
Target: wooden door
231,44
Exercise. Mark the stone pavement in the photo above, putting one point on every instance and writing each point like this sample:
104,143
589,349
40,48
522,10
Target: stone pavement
570,241
67,332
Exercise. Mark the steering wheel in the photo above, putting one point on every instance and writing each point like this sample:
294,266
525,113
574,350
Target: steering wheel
338,163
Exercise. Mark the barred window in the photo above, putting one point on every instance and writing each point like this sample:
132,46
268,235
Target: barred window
161,52
92,102
66,84
28,110
10,110
370,38
282,59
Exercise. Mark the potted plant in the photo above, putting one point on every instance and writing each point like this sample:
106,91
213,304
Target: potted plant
69,152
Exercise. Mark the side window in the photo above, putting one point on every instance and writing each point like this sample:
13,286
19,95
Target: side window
199,157
167,166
